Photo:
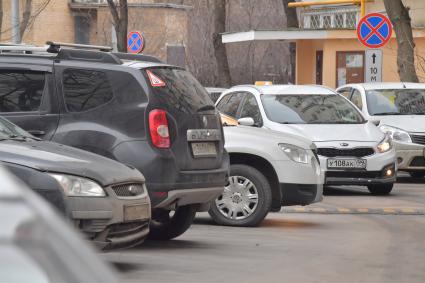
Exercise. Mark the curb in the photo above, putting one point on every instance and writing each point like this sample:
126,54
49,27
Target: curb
342,210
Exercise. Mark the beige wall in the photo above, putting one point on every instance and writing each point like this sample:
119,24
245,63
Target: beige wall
160,26
306,52
55,22
417,10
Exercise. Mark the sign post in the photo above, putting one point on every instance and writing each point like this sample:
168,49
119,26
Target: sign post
373,66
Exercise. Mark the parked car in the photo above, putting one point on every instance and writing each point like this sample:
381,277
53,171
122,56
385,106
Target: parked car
215,92
351,150
131,108
268,170
37,246
399,109
106,200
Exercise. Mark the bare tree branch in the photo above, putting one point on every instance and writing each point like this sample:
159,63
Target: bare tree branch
25,17
120,20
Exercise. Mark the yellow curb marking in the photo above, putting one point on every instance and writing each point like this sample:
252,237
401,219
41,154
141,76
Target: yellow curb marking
407,210
319,209
299,209
389,210
343,210
363,210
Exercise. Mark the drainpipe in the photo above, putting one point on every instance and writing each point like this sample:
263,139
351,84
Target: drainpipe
16,36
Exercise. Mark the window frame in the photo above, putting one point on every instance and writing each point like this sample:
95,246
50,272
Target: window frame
248,95
230,94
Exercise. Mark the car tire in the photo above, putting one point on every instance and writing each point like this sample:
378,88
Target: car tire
417,175
166,225
380,190
260,185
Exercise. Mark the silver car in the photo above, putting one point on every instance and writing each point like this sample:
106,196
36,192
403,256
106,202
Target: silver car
399,109
38,247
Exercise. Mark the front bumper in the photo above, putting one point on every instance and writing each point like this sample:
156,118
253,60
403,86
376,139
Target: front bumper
104,221
377,164
300,194
410,156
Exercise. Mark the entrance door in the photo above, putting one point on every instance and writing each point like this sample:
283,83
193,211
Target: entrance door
349,67
319,67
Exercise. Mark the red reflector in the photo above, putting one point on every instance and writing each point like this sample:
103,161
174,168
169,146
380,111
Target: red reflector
158,128
160,194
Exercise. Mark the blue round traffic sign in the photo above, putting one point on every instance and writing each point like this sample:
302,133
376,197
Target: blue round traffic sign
135,42
374,30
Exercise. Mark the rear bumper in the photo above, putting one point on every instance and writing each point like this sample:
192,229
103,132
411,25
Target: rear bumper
164,178
300,194
190,196
103,220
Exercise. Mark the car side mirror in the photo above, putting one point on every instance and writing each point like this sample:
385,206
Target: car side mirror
376,122
246,121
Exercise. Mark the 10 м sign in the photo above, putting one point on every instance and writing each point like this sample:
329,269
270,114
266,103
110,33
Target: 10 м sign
373,66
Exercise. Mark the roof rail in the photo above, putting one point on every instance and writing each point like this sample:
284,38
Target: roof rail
21,48
136,57
54,47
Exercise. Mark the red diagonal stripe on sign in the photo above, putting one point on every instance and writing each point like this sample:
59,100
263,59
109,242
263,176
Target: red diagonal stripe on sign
374,30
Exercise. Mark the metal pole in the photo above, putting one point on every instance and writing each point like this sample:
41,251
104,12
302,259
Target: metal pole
362,8
16,34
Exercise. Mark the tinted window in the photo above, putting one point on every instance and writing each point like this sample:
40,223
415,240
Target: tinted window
396,101
181,90
21,91
250,109
223,102
85,89
231,106
310,109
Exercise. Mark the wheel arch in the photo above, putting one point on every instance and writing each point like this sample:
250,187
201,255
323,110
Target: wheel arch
266,168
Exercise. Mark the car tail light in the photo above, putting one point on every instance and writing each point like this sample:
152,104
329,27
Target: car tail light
158,127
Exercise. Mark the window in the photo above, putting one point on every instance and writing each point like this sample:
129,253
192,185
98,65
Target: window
356,98
250,109
21,91
85,89
231,107
345,92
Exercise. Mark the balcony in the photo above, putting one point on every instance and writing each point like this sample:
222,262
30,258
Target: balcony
86,4
339,17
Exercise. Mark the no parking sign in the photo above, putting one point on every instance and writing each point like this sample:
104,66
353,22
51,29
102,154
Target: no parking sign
374,30
135,42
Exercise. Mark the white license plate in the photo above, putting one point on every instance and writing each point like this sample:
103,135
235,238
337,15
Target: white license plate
347,163
135,212
204,149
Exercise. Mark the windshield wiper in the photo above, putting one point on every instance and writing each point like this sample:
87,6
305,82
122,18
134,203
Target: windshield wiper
387,113
15,137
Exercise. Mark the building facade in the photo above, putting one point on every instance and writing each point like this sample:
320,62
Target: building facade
328,51
163,25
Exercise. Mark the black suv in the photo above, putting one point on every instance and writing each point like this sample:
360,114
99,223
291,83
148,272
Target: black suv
131,108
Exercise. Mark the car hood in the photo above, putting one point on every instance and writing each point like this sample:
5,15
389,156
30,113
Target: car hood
410,123
367,132
52,157
240,135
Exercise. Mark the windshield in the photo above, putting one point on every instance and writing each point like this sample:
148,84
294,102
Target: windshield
310,109
396,101
9,130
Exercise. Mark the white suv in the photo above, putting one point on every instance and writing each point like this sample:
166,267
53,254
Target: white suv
352,150
268,170
399,108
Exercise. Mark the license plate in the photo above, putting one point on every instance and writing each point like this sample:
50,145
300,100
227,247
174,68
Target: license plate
204,149
347,163
135,212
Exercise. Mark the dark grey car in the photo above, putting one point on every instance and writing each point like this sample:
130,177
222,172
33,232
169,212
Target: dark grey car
37,246
131,108
104,199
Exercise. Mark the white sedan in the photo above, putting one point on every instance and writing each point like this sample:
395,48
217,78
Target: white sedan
351,150
399,109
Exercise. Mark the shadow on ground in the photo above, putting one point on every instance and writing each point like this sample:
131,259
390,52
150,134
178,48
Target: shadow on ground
409,180
288,224
346,191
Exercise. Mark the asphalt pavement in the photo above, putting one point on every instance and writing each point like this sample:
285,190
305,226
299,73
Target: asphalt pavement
331,243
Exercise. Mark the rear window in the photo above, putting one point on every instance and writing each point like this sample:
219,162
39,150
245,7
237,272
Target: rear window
180,90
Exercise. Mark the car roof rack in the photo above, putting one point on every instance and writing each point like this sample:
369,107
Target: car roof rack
21,49
83,52
137,57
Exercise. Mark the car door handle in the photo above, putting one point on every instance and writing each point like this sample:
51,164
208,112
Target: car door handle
36,132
